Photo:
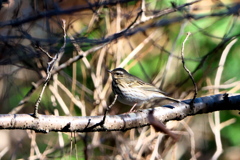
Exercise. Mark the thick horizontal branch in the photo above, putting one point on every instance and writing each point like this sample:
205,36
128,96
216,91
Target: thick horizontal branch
47,123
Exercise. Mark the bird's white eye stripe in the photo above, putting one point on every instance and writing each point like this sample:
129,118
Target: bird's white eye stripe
119,72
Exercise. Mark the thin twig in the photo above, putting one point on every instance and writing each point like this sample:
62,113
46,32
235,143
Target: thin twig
49,56
59,100
49,70
114,101
221,64
192,140
216,129
101,123
137,49
170,62
73,99
189,73
58,12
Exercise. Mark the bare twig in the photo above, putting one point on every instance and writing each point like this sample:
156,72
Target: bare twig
221,64
222,86
216,129
189,73
171,56
59,100
57,12
115,98
155,154
54,71
137,49
192,140
145,18
49,70
204,58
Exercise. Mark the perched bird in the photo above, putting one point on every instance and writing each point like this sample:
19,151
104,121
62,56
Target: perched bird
131,90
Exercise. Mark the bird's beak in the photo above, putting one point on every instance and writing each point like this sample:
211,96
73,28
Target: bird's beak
109,71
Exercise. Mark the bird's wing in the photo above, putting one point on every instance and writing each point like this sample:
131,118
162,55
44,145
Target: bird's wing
145,86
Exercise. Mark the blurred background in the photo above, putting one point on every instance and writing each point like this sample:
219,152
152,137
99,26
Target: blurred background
144,37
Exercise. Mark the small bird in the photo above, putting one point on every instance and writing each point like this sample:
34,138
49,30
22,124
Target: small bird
131,90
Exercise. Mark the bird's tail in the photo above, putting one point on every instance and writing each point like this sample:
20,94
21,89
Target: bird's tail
172,99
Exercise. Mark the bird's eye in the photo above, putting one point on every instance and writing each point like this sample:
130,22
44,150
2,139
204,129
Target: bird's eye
119,73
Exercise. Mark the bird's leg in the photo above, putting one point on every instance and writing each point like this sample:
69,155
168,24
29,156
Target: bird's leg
132,109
